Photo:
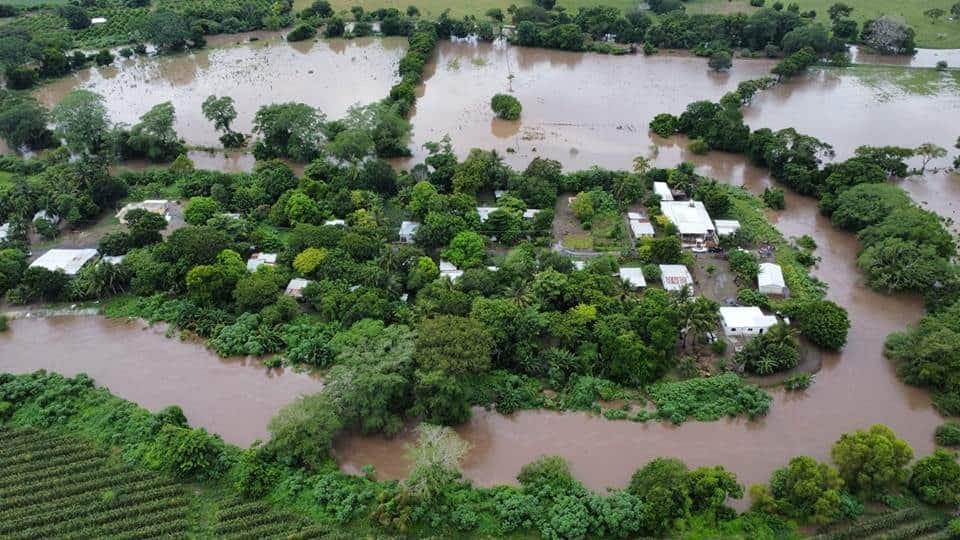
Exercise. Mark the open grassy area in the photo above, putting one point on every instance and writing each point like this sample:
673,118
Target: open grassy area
942,34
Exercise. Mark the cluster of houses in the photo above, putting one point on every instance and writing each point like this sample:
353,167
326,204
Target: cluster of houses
696,228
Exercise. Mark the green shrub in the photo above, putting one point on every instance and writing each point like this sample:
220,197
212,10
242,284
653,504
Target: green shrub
708,399
948,434
798,381
774,198
302,32
188,453
506,107
4,323
699,146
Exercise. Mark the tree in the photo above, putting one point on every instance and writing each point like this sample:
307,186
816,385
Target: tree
868,204
453,345
823,322
839,11
77,18
200,209
496,14
154,136
663,484
303,431
506,107
775,350
222,112
872,461
168,30
309,259
955,10
804,490
80,120
259,289
934,14
888,36
894,264
936,478
288,130
187,453
664,124
23,122
914,224
928,152
145,227
302,32
720,61
466,250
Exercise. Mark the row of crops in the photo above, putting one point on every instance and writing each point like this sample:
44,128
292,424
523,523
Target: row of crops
904,524
55,487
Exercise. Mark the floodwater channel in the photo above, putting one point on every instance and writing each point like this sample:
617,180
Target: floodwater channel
582,110
234,397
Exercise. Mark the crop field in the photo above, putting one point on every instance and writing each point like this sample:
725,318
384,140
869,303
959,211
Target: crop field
59,487
52,486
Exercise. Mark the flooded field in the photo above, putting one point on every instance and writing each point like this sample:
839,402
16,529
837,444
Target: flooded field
233,397
585,110
331,75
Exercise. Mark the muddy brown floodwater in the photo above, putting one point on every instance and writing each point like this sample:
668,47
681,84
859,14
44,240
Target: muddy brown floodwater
329,74
233,397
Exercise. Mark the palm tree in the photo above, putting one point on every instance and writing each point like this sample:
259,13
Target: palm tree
641,165
519,292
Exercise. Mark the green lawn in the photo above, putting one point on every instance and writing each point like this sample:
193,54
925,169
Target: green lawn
942,34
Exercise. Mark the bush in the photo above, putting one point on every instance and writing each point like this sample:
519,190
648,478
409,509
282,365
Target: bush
664,124
708,399
188,453
699,146
823,322
103,58
506,107
798,381
948,434
4,323
302,32
935,479
720,61
774,198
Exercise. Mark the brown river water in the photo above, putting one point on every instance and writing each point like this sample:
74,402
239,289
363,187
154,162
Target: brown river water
581,110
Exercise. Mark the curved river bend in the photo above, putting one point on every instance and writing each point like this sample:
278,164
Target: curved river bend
581,110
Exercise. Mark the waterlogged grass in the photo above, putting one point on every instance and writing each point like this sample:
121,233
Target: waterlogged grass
891,81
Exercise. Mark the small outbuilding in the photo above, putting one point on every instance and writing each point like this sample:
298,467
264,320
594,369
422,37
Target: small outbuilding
296,286
770,279
4,231
741,321
260,259
485,212
449,270
641,229
634,277
408,231
675,276
68,261
335,223
663,191
726,227
157,206
98,20
530,213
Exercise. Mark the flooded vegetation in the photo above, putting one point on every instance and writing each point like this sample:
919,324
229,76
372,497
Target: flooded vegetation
331,75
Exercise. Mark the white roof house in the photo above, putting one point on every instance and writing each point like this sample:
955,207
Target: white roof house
70,261
745,321
43,214
691,219
296,286
770,279
530,213
112,259
450,271
579,265
408,231
726,227
157,206
98,20
335,222
663,190
260,259
4,231
641,229
675,276
497,193
485,212
633,276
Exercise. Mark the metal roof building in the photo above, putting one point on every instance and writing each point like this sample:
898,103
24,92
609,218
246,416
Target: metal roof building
260,259
691,219
726,227
770,279
675,276
408,231
69,261
296,286
663,190
633,276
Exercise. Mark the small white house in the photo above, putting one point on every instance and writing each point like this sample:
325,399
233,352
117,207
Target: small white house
726,227
448,270
530,213
4,231
112,259
633,276
157,206
408,231
692,221
675,276
335,222
47,216
770,279
69,261
579,265
663,190
641,229
260,259
743,321
485,212
98,20
296,286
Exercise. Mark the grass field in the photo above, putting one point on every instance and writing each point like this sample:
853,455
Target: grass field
943,34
